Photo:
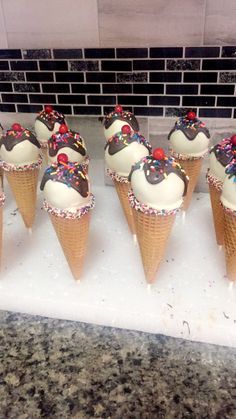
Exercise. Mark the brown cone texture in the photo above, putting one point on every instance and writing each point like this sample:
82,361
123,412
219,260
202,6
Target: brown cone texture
24,188
218,214
122,190
44,152
230,245
73,237
152,232
192,169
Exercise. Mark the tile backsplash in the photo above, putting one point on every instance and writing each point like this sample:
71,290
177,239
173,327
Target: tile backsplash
150,81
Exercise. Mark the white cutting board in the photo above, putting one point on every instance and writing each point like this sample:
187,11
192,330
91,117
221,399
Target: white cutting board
191,298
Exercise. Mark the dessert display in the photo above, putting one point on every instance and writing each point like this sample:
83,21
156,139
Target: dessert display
158,185
189,141
2,201
68,201
1,171
228,200
221,155
21,161
121,151
114,121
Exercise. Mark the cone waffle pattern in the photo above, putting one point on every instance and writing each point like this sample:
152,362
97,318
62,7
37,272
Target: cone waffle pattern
152,233
122,190
218,214
230,245
73,237
24,188
192,169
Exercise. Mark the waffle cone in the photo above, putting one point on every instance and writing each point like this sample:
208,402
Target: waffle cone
24,188
152,232
230,245
218,214
44,151
73,237
192,169
122,190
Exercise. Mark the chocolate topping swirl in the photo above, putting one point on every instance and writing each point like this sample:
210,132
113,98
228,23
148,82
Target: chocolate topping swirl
49,119
190,128
224,151
69,139
11,138
125,116
120,141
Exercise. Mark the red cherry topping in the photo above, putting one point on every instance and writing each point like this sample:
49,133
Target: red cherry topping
16,127
158,154
63,129
118,109
191,115
233,139
62,158
126,129
48,109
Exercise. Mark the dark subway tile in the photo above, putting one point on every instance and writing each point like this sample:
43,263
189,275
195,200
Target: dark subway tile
148,65
117,88
148,111
200,77
202,52
181,89
227,77
67,53
5,87
116,65
167,52
87,110
132,52
177,112
131,77
6,107
65,109
73,77
10,54
165,77
71,99
53,65
83,66
12,76
150,89
215,113
24,65
56,88
99,53
101,100
39,76
226,101
42,99
229,51
217,89
101,77
14,98
164,100
29,108
85,88
26,87
4,65
132,100
183,65
198,101
36,54
219,64
234,113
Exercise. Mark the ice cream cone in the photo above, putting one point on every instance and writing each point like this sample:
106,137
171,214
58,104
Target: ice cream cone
73,237
218,213
44,151
192,168
122,190
230,244
24,188
152,233
1,177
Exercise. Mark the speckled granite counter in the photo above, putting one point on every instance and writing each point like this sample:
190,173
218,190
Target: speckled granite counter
60,369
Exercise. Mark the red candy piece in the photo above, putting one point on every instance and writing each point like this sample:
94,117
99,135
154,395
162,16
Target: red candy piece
126,129
16,127
233,139
158,154
62,158
191,115
63,129
118,109
48,109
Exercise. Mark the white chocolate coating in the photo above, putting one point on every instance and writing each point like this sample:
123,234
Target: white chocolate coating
216,168
59,195
23,153
43,133
73,155
122,161
114,128
195,148
228,196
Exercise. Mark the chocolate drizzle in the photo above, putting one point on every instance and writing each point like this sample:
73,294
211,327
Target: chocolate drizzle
224,151
70,139
190,128
49,119
11,138
119,141
125,116
71,174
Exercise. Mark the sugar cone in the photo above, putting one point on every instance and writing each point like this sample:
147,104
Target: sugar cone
192,169
218,213
152,232
230,245
122,190
24,187
73,237
44,151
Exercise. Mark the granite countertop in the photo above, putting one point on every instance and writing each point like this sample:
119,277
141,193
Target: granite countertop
62,369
